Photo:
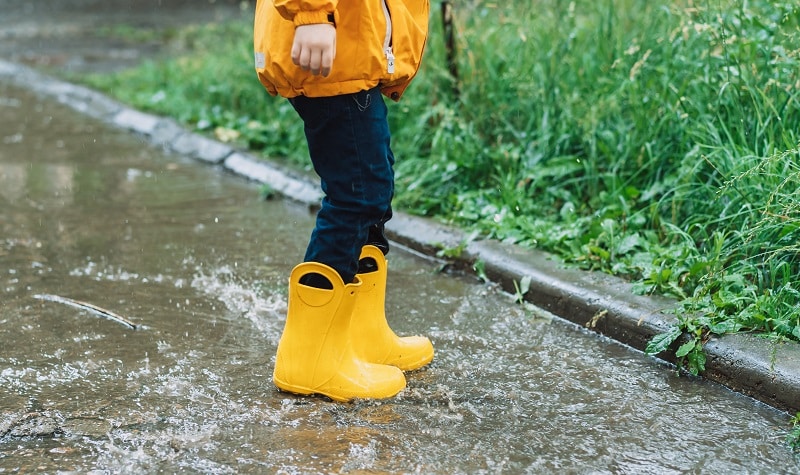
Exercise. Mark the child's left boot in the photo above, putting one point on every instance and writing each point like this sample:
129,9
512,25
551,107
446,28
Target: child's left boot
373,339
315,354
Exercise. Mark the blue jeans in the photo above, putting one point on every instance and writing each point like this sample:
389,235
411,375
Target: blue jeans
348,141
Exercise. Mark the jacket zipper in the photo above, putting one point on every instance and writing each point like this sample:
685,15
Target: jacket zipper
387,41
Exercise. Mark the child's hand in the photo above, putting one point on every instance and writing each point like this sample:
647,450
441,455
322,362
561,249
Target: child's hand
314,48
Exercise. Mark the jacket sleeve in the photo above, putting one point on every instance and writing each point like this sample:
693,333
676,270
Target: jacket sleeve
306,12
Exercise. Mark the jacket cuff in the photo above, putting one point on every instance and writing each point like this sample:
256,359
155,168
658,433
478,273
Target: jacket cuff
311,18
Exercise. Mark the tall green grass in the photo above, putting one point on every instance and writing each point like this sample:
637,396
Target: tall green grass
655,140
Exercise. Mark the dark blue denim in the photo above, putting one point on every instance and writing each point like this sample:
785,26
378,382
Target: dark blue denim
348,141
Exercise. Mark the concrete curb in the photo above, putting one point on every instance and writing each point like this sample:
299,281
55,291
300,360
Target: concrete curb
607,305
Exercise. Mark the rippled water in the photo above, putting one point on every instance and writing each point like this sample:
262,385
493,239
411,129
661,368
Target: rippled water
194,256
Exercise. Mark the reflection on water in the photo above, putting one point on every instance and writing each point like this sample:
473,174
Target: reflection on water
192,255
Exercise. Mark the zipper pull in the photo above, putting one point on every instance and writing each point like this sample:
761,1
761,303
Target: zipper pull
390,59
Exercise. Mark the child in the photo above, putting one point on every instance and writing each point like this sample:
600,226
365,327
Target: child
333,60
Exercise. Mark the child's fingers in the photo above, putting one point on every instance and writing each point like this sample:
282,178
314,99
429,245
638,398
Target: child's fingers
314,48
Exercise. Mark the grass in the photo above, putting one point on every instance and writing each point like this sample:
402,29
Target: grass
793,437
653,140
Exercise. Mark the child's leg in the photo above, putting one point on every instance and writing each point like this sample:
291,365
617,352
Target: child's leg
376,236
348,140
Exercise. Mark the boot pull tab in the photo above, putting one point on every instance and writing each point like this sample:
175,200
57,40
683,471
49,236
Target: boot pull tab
312,295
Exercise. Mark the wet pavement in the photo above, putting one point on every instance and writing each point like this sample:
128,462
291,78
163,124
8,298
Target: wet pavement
200,262
100,35
193,256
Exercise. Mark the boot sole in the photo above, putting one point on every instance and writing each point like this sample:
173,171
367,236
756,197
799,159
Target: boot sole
304,391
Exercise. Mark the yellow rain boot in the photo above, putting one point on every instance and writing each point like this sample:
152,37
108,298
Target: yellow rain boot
373,340
315,354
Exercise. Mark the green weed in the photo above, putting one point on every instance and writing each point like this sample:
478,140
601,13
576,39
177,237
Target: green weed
793,438
521,288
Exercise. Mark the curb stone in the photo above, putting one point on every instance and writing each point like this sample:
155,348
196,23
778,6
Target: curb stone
136,121
605,304
258,170
201,148
166,132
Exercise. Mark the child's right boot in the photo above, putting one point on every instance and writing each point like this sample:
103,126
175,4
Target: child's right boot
315,354
373,339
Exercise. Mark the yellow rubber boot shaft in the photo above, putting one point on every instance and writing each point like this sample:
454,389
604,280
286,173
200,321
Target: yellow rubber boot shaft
315,354
373,339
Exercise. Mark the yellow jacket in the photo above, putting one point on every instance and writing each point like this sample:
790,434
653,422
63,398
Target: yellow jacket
378,42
